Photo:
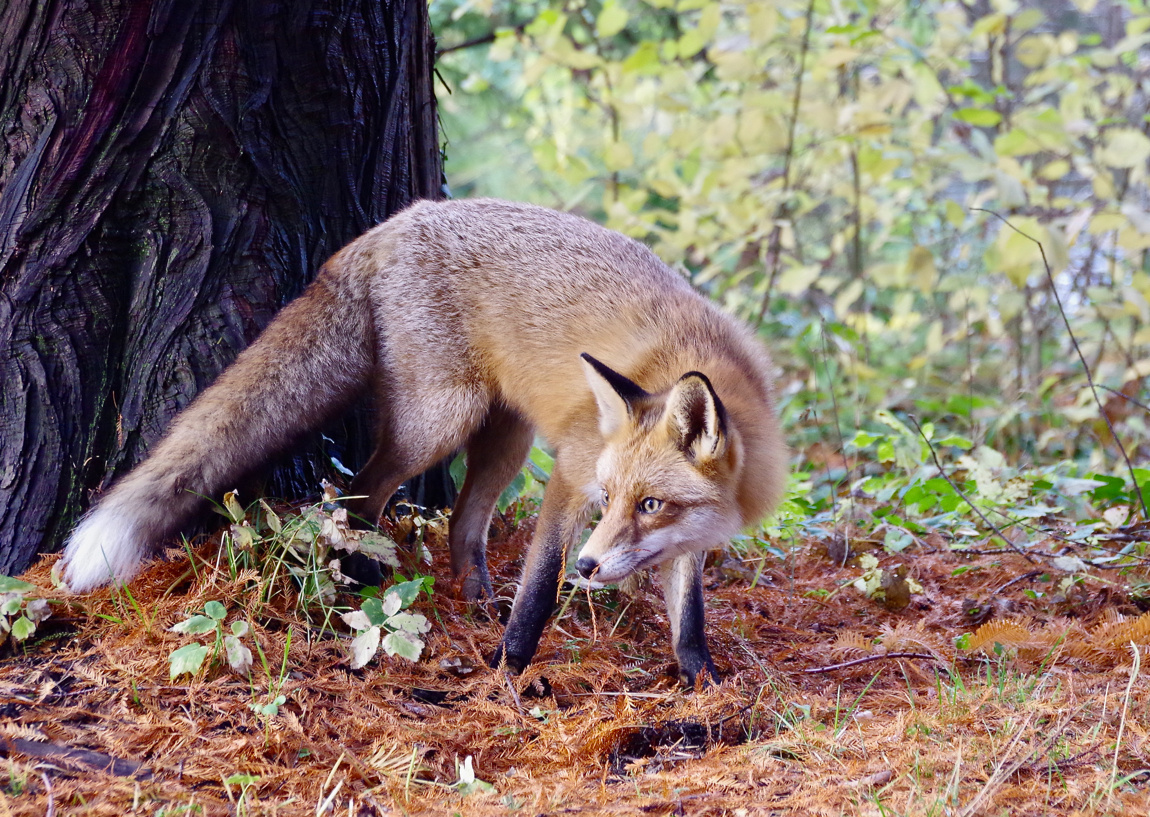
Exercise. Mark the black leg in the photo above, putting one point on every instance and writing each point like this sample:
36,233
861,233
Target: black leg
682,580
559,520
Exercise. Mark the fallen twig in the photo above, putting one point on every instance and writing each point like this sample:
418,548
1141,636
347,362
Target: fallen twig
1033,574
867,659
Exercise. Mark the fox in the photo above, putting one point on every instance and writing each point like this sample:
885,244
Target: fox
477,324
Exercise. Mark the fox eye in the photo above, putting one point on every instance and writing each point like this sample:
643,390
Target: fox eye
606,498
651,505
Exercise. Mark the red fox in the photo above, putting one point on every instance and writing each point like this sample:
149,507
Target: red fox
476,323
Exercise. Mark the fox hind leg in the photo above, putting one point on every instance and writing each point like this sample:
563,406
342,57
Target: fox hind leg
495,453
682,580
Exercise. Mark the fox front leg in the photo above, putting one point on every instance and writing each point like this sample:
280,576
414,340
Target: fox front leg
682,580
560,520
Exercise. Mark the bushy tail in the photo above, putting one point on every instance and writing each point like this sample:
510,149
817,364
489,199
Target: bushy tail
311,361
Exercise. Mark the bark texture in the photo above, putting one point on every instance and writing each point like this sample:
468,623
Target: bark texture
171,172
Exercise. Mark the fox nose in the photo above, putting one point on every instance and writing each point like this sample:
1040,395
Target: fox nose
586,566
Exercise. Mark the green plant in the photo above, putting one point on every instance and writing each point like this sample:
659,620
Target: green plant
21,609
382,623
189,658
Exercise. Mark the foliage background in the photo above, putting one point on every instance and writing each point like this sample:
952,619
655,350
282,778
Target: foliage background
834,172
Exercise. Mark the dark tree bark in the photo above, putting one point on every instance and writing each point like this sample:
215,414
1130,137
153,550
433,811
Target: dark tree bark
171,172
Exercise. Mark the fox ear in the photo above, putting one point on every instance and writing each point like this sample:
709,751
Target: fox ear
696,418
617,397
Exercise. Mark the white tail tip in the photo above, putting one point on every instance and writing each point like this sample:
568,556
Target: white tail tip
104,548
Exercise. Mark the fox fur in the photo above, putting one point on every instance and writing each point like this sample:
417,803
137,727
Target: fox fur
478,323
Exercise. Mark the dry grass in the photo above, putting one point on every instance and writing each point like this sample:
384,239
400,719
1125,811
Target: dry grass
1052,720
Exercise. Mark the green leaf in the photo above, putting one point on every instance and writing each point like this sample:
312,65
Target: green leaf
407,591
187,660
196,625
242,779
511,492
10,585
409,622
403,644
611,20
897,540
23,627
216,610
979,117
373,609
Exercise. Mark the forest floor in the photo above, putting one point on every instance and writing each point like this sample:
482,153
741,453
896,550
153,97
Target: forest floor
1044,709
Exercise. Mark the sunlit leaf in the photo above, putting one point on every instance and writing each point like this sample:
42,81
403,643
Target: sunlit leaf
187,660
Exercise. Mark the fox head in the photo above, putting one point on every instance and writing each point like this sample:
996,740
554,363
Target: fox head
666,476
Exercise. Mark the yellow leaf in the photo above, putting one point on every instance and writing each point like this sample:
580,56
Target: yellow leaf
503,46
921,269
1124,148
643,60
733,66
618,156
994,24
694,40
564,52
1053,171
849,294
762,19
1034,51
1027,19
1055,245
838,57
1105,222
1103,184
934,339
797,280
955,214
691,44
612,19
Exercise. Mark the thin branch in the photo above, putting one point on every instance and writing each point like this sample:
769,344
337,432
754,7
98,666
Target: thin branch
1033,574
774,249
842,445
1125,396
484,39
958,491
1081,357
868,659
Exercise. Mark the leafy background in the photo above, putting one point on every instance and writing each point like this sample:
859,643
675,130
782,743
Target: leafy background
874,185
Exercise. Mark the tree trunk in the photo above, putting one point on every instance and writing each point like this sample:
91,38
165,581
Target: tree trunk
171,172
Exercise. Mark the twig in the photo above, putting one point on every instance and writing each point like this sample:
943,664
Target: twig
1031,575
1125,396
868,659
842,445
958,491
773,246
1081,357
484,39
50,809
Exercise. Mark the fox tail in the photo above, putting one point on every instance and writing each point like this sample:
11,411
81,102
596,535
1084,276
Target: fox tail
311,361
